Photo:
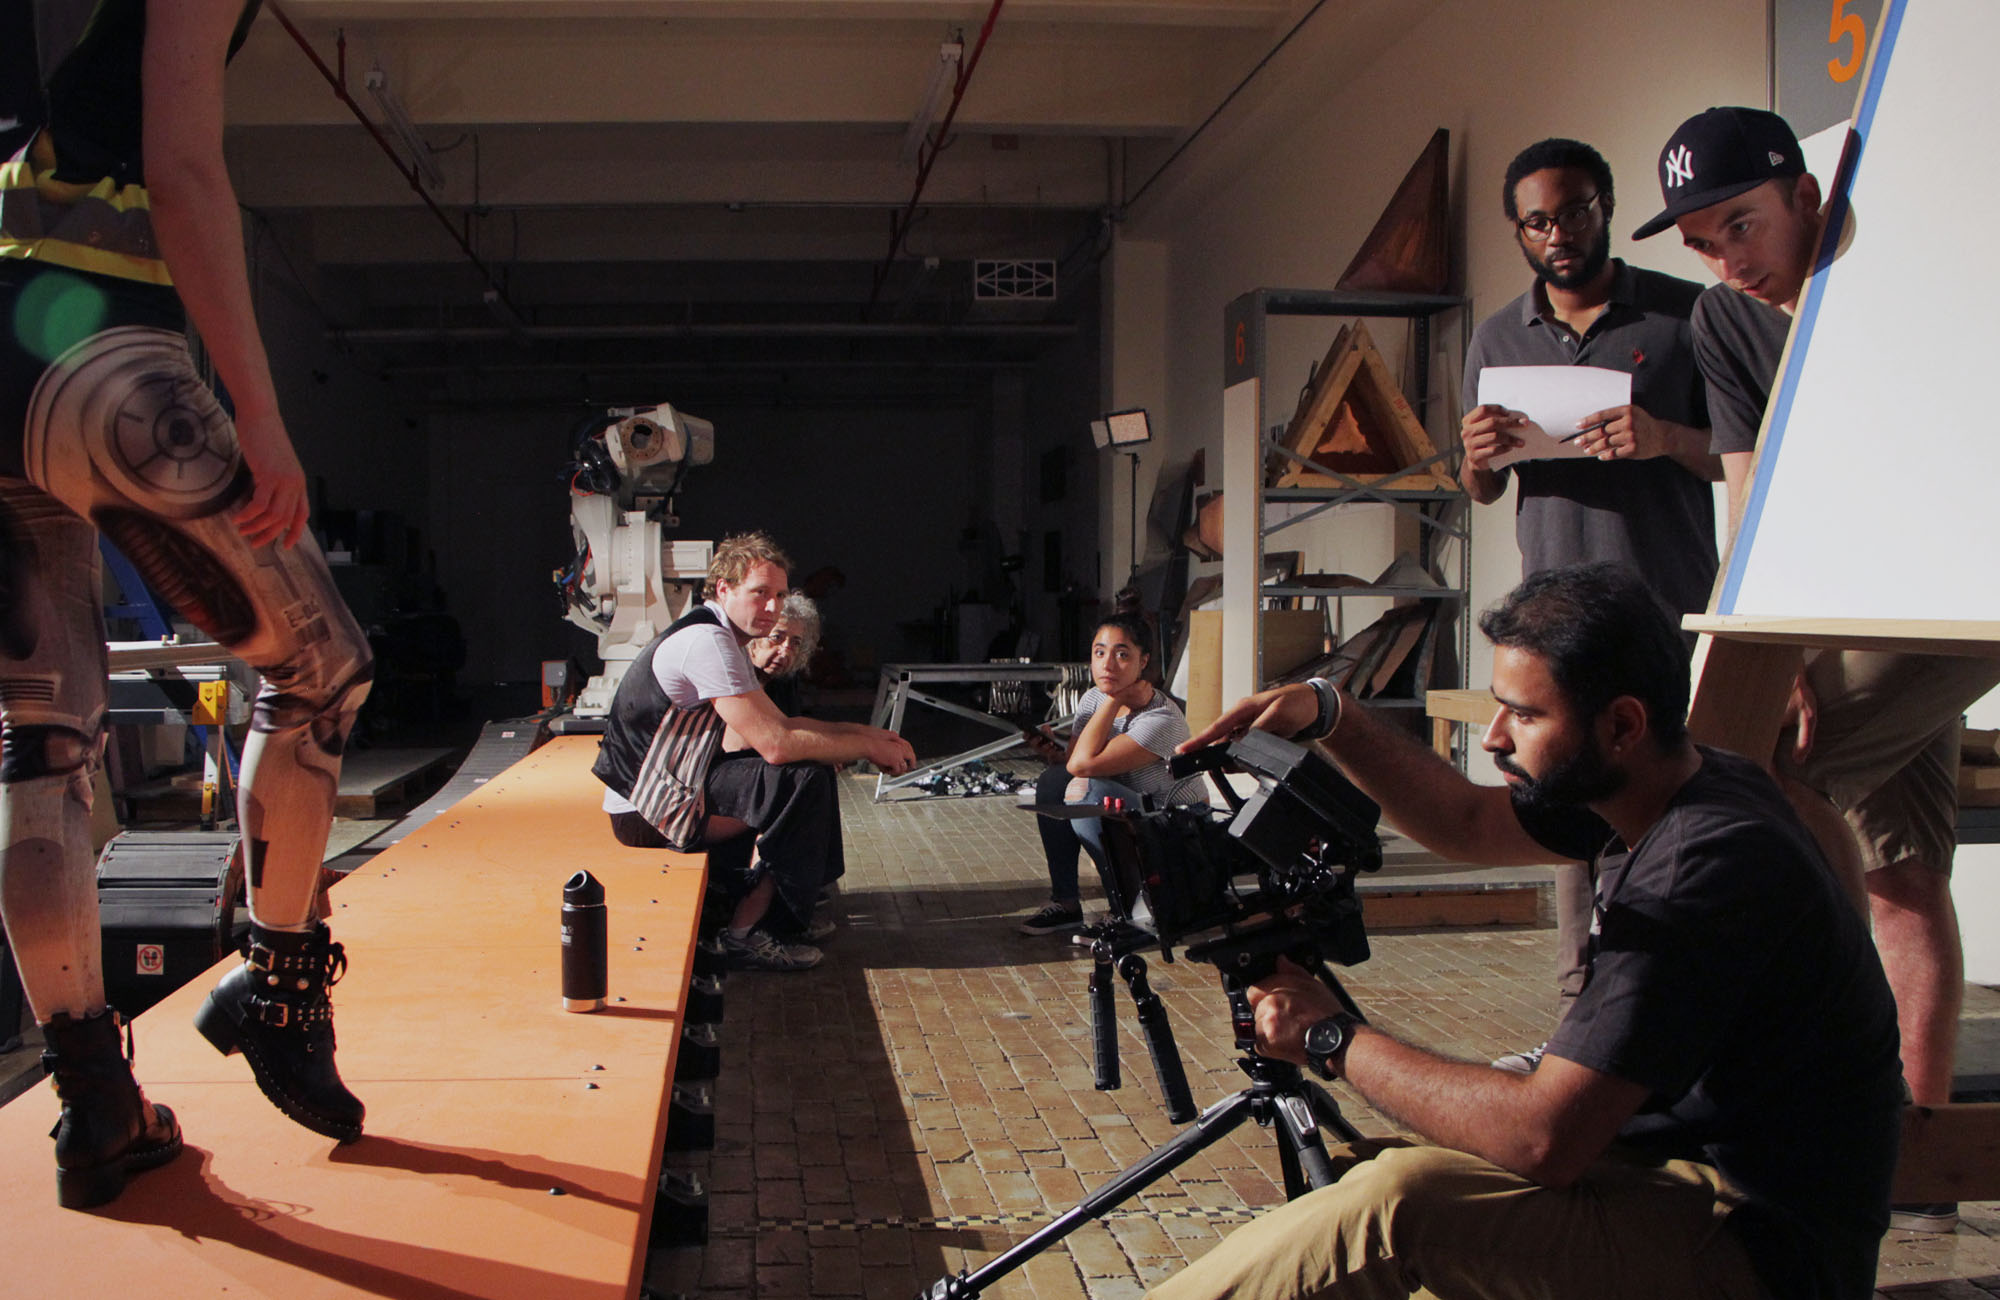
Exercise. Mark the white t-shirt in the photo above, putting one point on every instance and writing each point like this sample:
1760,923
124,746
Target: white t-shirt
703,662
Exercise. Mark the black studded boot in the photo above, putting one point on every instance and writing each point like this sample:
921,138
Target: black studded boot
275,1010
107,1129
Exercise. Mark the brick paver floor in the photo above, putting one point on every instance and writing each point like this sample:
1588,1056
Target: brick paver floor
924,1099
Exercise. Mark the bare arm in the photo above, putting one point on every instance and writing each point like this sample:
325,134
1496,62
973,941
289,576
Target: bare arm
1736,473
1097,750
1421,794
779,739
201,237
1547,1126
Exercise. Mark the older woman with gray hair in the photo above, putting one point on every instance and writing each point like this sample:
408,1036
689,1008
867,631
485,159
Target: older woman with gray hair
781,654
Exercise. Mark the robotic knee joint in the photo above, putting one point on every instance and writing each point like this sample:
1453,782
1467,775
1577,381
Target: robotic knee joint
29,751
327,715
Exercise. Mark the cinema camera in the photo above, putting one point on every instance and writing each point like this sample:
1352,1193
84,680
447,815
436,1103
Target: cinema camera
1273,877
1276,875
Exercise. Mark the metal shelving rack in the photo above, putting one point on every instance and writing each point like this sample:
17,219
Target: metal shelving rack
1250,437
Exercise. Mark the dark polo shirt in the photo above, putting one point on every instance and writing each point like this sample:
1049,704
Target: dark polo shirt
1738,342
1652,515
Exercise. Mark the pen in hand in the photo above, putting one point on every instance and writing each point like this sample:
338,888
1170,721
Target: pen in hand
1593,428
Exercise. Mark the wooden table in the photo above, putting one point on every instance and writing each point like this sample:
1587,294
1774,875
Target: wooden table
512,1148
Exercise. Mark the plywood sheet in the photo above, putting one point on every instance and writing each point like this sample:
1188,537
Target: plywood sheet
1872,492
492,1166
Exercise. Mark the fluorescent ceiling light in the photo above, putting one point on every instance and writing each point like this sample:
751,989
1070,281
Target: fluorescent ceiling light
944,78
398,117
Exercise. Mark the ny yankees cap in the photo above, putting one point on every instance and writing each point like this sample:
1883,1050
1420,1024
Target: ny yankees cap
1718,155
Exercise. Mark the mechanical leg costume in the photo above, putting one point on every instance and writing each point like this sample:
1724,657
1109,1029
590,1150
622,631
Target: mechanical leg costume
120,434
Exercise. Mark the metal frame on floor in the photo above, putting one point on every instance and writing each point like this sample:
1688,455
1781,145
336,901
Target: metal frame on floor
896,690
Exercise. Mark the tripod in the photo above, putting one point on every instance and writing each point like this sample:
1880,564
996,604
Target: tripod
1279,1098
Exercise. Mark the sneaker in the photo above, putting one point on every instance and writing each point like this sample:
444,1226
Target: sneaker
1521,1062
818,928
1931,1216
1053,918
761,950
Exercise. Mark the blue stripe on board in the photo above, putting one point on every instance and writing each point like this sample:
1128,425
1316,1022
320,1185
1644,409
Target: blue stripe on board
1817,288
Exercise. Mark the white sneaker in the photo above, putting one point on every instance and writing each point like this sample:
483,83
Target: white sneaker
1521,1062
761,950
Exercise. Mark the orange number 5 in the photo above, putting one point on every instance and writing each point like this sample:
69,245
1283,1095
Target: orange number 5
1850,28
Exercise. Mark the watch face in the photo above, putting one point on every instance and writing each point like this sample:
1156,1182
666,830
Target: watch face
1324,1041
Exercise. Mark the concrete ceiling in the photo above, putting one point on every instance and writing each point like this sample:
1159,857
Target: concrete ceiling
707,194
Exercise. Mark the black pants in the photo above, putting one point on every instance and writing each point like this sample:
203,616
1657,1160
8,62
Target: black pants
793,812
794,809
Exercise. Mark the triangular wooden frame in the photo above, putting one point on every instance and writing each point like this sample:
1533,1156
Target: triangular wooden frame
1409,250
1354,380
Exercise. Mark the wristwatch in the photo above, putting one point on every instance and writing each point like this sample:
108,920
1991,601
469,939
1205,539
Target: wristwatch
1326,1040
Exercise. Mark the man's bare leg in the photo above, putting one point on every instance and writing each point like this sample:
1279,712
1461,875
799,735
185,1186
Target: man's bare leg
1916,931
751,908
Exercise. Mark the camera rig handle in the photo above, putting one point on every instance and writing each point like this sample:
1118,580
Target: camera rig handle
1236,986
1111,955
1211,760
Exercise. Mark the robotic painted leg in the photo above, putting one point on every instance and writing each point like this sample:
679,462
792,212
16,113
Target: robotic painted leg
124,432
51,712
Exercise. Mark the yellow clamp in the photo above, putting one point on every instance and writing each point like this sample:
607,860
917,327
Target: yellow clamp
211,703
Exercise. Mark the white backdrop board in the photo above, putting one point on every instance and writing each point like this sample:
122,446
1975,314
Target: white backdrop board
1879,465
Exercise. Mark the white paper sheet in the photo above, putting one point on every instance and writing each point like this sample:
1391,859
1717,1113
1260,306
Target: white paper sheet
1554,398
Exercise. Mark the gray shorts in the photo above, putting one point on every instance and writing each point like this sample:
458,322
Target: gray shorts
1886,747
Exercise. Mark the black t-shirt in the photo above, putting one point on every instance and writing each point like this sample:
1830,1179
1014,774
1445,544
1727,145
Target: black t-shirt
1731,977
1738,341
1652,516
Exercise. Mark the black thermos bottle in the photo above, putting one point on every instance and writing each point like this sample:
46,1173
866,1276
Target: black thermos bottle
583,943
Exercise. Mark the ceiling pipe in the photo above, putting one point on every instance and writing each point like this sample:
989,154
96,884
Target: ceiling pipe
899,224
1196,134
729,329
495,296
702,366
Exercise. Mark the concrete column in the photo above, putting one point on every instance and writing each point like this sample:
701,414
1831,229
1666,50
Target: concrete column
1135,375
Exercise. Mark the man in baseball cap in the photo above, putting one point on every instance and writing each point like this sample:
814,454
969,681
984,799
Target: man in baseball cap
1720,154
1736,184
1872,766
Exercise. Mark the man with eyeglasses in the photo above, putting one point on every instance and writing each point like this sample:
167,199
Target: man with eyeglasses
1642,497
1872,763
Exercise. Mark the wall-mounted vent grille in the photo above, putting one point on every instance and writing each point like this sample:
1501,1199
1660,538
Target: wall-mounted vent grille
998,281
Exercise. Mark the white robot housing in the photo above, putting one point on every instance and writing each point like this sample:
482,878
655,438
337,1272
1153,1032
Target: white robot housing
627,581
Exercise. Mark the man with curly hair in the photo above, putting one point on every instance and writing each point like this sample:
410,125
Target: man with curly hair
665,789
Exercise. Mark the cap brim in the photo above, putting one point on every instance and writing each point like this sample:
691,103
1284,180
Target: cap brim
1694,203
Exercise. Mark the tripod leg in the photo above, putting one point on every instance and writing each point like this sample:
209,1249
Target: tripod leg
1298,1137
1327,1111
1215,1123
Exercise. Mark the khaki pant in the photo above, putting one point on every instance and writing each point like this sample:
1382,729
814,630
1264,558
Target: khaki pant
1886,750
1416,1220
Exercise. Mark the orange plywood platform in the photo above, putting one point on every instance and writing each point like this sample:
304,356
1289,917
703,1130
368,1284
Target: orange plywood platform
511,1147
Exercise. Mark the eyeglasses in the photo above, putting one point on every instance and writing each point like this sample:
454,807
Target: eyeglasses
1538,226
779,640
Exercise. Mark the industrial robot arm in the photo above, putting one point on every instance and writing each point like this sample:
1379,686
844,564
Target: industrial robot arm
627,581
